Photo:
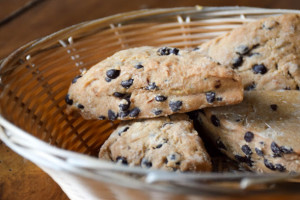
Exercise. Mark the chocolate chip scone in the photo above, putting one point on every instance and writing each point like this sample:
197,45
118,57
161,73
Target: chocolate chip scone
262,132
147,82
169,143
265,53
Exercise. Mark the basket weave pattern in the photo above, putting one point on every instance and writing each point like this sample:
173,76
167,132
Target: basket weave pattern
35,80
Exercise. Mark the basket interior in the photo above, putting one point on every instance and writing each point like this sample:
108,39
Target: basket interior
35,79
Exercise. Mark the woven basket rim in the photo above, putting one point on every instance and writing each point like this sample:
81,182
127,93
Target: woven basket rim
92,160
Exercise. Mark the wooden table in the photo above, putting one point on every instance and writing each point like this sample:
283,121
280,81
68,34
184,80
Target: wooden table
24,20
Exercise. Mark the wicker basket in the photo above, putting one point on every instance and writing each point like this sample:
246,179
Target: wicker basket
35,80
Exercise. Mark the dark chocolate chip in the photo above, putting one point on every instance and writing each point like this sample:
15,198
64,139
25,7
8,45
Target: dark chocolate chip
297,87
164,51
269,165
158,146
122,160
124,114
259,152
252,86
134,112
80,106
177,163
248,136
112,115
151,86
210,97
160,98
157,112
215,121
119,95
68,100
175,105
218,84
247,150
220,144
287,88
244,159
112,73
123,130
172,157
280,167
76,78
286,150
273,107
101,117
107,79
126,84
253,54
124,107
259,69
146,163
196,49
276,149
139,66
237,62
219,99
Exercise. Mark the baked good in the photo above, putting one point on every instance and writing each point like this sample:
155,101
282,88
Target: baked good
262,132
265,53
168,143
148,82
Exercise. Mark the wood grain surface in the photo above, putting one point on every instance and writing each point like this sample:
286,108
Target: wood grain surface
24,20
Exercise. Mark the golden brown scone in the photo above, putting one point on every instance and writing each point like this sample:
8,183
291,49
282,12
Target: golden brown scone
263,132
265,53
148,82
168,143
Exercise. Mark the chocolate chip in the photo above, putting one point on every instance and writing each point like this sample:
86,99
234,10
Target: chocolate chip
259,69
123,130
273,107
196,49
112,73
215,121
252,86
139,66
269,165
121,159
220,144
164,51
259,152
158,146
101,117
167,123
151,86
210,97
244,159
80,106
126,84
112,115
237,62
124,105
219,99
177,163
160,98
107,79
276,149
248,136
124,114
76,78
247,150
253,54
146,163
175,105
119,95
280,167
286,150
68,100
134,112
287,88
157,112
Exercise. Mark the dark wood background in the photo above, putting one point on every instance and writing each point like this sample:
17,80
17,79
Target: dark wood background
24,20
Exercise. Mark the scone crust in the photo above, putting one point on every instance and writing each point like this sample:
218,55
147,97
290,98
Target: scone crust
168,143
141,83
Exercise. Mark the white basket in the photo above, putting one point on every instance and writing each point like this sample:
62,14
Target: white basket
35,79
